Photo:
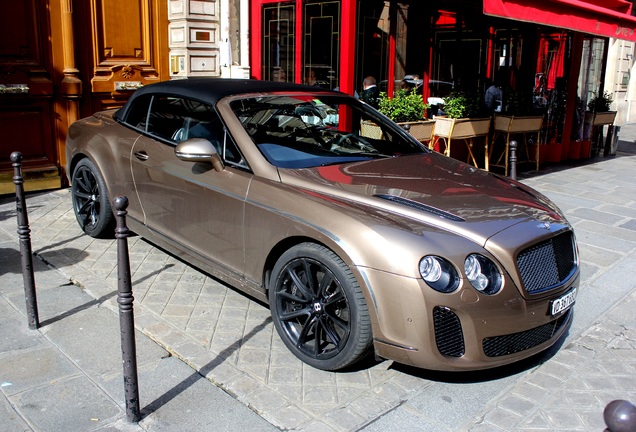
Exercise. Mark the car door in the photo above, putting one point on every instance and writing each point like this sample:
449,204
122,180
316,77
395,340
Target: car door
195,207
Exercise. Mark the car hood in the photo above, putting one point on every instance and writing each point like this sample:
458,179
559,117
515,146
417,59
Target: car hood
433,189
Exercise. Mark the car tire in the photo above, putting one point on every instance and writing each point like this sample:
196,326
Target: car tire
323,319
91,204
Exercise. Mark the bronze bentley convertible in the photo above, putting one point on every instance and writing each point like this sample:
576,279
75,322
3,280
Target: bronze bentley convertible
361,240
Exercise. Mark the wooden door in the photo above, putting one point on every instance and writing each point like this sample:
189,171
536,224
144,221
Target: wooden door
121,45
26,95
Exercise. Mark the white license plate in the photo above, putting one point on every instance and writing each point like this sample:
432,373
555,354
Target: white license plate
562,303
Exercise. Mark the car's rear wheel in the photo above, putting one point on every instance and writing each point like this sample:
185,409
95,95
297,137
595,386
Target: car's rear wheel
318,308
90,201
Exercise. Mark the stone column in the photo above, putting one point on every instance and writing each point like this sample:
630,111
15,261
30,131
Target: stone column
194,38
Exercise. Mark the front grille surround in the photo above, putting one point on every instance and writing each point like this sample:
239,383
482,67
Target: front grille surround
548,264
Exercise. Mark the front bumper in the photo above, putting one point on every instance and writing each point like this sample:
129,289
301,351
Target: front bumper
464,330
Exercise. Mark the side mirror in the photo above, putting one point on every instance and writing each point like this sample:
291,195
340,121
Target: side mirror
199,150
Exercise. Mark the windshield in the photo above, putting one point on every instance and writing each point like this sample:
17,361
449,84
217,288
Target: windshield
303,131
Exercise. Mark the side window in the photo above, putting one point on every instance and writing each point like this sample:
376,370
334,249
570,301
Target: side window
138,113
231,152
178,119
167,116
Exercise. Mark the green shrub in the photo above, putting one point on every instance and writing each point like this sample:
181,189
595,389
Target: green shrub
520,103
600,103
461,105
403,107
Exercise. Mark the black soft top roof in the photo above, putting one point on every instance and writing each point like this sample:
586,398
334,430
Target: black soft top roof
210,90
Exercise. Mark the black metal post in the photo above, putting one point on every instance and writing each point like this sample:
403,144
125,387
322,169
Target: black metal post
24,233
620,416
126,316
608,140
513,160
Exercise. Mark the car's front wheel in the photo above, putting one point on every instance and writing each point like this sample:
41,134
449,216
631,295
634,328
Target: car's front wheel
90,201
318,308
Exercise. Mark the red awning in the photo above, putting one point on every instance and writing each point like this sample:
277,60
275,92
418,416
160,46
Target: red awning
610,18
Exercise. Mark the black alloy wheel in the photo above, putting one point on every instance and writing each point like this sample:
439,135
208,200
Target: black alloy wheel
318,308
90,201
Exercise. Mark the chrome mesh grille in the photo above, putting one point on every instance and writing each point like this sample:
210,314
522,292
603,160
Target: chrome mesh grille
548,263
448,332
517,342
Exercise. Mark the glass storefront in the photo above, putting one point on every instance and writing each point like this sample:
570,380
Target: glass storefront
440,50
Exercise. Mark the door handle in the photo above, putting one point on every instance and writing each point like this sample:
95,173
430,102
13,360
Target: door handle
142,155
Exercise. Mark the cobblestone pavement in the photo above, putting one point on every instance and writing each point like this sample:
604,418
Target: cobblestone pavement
230,338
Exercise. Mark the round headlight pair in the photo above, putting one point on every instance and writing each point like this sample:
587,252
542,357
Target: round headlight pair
480,271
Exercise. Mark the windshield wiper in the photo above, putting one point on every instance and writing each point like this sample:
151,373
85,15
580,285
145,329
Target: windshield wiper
355,157
375,155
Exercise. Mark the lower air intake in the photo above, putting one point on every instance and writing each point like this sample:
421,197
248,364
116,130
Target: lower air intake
517,342
448,332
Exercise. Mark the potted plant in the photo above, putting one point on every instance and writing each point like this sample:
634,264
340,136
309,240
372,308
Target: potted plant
599,109
600,103
599,115
465,119
408,110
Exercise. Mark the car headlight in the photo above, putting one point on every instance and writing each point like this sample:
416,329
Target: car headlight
483,274
439,274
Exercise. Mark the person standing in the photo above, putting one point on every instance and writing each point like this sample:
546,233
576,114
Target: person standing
493,99
370,92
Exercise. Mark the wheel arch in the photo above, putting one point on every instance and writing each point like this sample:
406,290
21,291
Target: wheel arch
77,158
278,250
283,245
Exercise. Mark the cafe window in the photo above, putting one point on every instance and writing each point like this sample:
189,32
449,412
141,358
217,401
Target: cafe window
279,42
321,44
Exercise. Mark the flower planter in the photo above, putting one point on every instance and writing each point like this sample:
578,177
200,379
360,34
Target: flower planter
596,122
421,130
370,130
466,129
517,124
513,128
600,118
446,127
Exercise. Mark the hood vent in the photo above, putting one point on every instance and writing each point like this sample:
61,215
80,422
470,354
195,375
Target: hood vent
419,206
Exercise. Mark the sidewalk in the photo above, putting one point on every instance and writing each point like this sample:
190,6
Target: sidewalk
68,375
209,358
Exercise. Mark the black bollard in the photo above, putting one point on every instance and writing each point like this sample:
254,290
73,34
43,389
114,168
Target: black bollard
620,416
24,233
126,316
513,160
